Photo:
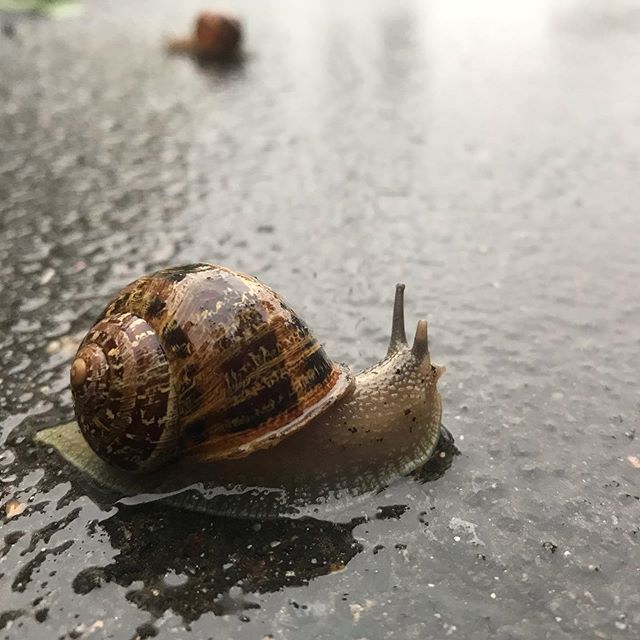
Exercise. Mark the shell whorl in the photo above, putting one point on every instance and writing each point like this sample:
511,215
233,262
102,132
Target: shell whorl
125,405
235,367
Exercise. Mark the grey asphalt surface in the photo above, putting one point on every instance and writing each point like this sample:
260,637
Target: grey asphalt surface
487,154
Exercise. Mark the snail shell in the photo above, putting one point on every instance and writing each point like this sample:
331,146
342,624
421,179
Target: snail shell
199,362
216,36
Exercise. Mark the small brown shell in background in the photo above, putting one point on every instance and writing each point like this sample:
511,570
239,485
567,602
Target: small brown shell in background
216,36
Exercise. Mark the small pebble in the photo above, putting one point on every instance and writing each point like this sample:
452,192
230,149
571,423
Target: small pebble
13,508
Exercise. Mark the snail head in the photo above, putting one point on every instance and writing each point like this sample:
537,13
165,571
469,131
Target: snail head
418,354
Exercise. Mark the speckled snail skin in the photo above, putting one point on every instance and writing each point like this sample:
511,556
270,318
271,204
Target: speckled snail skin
200,374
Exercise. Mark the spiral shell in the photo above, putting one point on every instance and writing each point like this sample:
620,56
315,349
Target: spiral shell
217,35
198,362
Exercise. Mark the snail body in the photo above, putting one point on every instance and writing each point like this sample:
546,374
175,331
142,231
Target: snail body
200,375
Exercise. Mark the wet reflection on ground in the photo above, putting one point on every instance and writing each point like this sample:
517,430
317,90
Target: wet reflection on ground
168,559
194,563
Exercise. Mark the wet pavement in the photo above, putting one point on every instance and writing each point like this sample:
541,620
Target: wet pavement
485,154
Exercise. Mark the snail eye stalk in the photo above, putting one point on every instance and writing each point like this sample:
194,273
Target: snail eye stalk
398,336
420,347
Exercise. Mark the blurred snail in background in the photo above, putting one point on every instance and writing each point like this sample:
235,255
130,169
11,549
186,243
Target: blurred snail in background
201,374
215,36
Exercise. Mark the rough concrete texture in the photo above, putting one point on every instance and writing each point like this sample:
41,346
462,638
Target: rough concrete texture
487,154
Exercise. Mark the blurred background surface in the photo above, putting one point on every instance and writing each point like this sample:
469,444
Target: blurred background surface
487,154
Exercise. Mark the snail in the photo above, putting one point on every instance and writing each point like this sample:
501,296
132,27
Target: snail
203,375
215,36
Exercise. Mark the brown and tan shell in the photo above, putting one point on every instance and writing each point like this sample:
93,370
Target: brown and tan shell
216,36
198,362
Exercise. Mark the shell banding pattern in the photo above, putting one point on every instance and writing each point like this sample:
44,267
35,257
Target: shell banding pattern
123,397
233,365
